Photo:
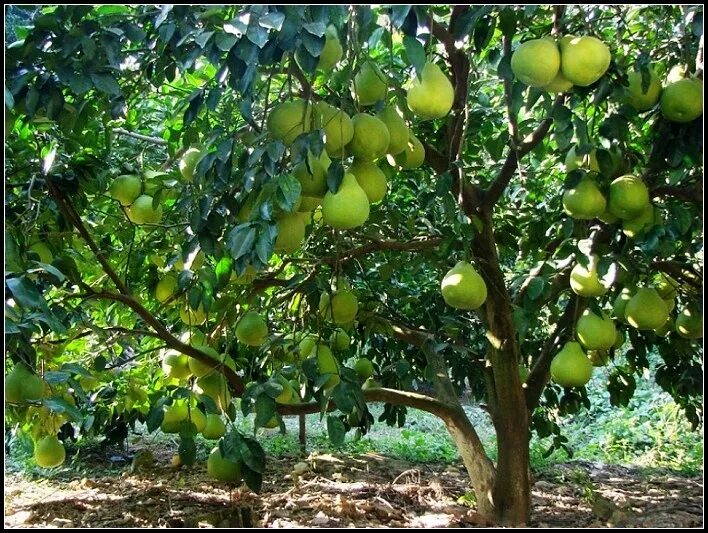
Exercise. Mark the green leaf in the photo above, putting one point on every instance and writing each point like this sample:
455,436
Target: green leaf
105,83
288,192
252,454
399,14
253,480
336,430
535,287
415,53
225,41
187,450
273,20
25,293
54,377
240,240
265,410
60,405
335,175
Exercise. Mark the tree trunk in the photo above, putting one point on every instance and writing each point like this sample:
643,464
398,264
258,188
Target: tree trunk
512,490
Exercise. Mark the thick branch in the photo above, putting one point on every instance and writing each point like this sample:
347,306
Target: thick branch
680,272
689,194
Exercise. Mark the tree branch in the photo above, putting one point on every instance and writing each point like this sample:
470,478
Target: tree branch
154,140
690,194
382,245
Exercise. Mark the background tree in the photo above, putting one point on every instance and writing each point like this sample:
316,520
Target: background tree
183,98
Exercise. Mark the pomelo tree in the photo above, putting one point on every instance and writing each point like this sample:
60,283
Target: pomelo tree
425,106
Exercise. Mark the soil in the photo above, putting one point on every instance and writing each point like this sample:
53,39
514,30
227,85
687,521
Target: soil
346,491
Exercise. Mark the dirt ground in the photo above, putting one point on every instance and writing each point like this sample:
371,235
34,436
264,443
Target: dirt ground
352,491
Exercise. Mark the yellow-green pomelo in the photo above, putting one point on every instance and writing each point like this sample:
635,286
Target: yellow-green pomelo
463,288
574,160
682,101
347,208
291,233
536,62
222,469
370,178
585,201
194,337
272,423
214,428
371,137
689,324
596,332
142,212
337,125
327,364
173,417
677,73
195,261
23,385
288,120
599,357
332,51
176,365
634,226
307,345
629,197
364,368
636,96
312,174
188,162
286,396
246,278
341,308
584,60
560,84
309,204
397,129
413,156
165,288
192,317
200,369
584,281
571,367
43,252
646,310
125,189
369,84
49,452
619,341
252,329
432,95
215,386
198,418
339,340
619,307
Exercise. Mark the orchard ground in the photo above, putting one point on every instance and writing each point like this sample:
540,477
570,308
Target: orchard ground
636,466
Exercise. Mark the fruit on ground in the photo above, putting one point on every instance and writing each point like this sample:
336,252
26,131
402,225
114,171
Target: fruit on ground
291,233
176,365
339,340
222,469
188,162
584,281
23,385
364,368
141,211
214,428
574,160
348,208
682,101
312,174
125,189
369,84
432,95
646,310
165,288
689,324
584,201
371,137
332,51
43,252
327,364
214,385
192,317
584,60
342,307
413,156
288,120
370,178
463,288
636,96
629,197
619,306
560,84
252,329
337,126
571,367
596,332
49,452
397,129
536,62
